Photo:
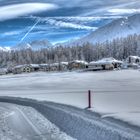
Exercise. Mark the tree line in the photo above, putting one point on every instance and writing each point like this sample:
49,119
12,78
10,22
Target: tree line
119,48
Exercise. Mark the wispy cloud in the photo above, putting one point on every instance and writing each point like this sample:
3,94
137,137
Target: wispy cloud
16,10
123,11
86,18
69,25
10,33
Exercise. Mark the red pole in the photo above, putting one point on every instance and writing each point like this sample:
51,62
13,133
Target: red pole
89,99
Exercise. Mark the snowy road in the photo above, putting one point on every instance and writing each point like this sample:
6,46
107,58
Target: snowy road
18,121
25,123
79,123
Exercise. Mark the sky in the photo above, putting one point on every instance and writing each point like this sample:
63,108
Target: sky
23,21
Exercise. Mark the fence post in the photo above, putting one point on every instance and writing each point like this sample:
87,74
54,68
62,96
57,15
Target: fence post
89,99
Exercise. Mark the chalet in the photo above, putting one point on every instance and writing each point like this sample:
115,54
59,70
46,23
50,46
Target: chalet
133,59
62,66
18,69
77,64
27,68
44,67
54,67
32,68
3,71
105,64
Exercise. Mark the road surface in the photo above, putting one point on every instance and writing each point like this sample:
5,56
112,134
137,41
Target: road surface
19,122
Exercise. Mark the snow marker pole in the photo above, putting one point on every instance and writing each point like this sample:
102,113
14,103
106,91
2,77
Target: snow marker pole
89,99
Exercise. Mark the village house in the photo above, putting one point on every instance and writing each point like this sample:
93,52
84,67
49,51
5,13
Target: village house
133,62
62,66
3,71
27,68
105,64
77,64
54,67
44,67
133,59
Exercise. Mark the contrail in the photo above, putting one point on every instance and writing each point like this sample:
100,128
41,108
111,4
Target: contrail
29,31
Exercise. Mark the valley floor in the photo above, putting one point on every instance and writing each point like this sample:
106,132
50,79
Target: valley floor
114,93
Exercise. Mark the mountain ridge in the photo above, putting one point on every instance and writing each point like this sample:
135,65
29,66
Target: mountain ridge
116,29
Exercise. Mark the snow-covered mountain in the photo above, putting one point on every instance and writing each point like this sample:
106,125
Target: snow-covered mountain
118,28
5,49
35,45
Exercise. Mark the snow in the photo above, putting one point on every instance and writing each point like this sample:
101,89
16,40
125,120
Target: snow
135,57
47,130
114,93
64,63
105,61
34,65
132,117
116,29
6,133
19,66
44,64
80,61
5,49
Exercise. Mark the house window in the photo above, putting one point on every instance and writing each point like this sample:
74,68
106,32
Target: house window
137,60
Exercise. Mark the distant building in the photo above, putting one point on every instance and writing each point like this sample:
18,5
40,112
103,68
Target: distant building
133,62
133,59
27,68
105,64
44,67
77,64
3,71
62,66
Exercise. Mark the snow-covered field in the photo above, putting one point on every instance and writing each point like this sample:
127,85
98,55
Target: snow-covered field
114,93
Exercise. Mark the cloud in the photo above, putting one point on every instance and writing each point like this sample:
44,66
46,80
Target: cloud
86,18
69,25
123,11
10,33
16,10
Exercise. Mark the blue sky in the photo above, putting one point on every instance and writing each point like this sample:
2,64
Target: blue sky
58,20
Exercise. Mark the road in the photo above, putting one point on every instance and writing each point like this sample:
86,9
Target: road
19,122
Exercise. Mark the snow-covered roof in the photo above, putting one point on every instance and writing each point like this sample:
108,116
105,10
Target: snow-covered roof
80,61
26,65
106,61
100,63
44,64
54,64
57,64
34,65
3,69
134,57
19,66
64,63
